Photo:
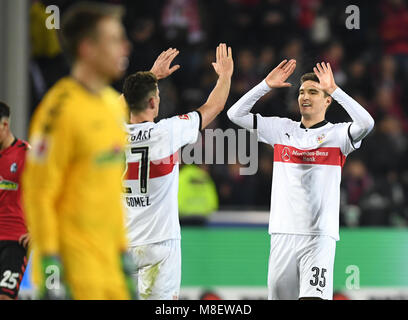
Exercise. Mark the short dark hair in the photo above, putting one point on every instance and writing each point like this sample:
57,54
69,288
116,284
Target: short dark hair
80,21
309,76
138,88
4,110
312,77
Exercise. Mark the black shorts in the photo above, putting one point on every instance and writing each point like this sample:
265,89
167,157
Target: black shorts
13,262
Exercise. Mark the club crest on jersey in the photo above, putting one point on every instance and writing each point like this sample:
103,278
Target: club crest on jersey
13,168
320,138
285,154
184,117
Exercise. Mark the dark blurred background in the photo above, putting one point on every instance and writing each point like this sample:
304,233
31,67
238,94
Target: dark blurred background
370,64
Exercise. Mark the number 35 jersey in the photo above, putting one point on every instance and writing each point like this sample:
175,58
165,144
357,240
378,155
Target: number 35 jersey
307,167
152,175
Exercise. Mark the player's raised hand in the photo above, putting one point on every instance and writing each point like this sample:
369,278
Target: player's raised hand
326,79
277,77
161,67
223,65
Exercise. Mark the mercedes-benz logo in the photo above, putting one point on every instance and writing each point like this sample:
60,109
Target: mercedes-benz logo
285,154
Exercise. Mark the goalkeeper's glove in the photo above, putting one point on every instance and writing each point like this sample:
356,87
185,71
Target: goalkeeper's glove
129,269
53,286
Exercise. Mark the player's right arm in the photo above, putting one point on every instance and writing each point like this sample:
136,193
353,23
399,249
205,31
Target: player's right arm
240,114
224,67
161,67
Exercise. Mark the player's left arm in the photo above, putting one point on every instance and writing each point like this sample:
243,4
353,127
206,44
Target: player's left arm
161,67
363,123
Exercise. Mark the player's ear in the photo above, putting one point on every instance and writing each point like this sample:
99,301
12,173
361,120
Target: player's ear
5,122
84,48
329,100
151,103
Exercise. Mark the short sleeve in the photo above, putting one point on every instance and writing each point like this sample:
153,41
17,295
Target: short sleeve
269,128
347,145
182,129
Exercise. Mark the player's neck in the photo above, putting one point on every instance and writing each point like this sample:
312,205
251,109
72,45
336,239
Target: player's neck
310,122
7,142
141,117
88,77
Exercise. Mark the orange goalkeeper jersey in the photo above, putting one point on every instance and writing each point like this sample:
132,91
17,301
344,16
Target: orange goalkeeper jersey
72,180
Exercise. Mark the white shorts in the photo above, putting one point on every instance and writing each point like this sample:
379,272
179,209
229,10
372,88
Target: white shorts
158,270
301,266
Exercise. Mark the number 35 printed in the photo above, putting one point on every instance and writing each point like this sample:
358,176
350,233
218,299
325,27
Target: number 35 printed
318,277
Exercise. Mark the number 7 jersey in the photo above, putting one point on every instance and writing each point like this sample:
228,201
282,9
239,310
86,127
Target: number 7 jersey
150,186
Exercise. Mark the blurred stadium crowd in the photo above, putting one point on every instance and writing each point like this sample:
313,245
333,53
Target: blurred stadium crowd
370,63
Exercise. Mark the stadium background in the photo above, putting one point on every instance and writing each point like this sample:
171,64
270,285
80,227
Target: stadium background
228,255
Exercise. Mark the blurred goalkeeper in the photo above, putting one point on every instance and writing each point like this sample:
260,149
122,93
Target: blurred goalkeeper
73,172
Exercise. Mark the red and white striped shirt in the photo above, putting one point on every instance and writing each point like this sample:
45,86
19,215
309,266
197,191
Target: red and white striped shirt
306,178
307,162
152,176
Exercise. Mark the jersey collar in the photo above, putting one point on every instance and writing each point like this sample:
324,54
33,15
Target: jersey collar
14,142
8,148
315,126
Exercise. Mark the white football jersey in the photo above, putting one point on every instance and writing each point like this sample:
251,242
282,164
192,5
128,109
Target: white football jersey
306,174
152,176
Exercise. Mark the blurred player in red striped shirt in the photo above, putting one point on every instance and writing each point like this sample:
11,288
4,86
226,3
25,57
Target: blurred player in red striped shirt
14,237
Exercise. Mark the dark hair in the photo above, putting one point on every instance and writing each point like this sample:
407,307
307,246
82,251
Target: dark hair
80,21
4,110
138,88
309,76
312,77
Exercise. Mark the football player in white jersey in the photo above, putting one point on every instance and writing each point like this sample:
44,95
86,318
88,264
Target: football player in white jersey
151,181
308,159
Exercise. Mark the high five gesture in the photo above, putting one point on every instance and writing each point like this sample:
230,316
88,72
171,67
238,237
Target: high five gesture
223,64
161,67
277,77
326,78
224,67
